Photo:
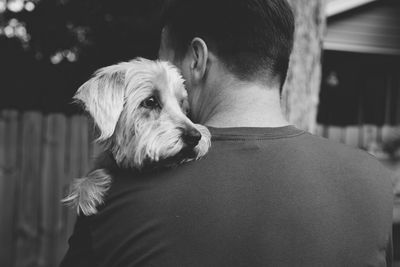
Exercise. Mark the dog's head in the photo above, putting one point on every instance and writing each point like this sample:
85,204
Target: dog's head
140,110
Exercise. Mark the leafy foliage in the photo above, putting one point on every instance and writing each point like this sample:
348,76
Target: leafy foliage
49,47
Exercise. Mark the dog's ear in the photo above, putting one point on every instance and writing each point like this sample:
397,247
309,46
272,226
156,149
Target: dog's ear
103,97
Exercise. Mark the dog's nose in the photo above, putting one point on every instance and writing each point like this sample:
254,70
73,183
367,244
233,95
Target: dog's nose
191,137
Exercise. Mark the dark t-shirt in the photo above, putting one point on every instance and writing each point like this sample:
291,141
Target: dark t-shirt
260,197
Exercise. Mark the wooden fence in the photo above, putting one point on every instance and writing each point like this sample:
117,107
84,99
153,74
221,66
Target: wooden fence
40,154
38,157
367,137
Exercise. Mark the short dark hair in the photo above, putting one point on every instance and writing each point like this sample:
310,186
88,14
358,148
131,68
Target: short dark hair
249,36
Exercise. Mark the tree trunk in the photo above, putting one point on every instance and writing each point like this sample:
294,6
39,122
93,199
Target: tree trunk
301,92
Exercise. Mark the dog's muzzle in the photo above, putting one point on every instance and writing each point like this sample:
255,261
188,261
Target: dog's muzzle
191,137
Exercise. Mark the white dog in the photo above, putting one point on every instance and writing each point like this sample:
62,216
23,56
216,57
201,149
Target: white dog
140,110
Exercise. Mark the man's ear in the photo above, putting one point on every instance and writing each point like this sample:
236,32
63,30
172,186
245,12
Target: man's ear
103,97
199,57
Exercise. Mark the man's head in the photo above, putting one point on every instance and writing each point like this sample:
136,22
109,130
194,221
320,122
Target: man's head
254,38
251,40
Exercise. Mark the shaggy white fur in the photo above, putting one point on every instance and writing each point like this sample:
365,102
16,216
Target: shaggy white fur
140,109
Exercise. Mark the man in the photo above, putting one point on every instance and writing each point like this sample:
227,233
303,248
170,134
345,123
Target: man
267,194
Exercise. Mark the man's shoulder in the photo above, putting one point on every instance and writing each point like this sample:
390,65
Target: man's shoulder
348,160
300,153
336,148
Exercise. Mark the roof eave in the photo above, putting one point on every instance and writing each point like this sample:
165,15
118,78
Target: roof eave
340,6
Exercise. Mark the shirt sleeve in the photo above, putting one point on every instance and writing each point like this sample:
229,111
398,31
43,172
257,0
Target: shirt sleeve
79,253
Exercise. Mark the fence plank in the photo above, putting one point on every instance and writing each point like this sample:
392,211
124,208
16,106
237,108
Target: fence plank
352,136
369,136
4,226
319,130
390,133
53,161
77,165
335,134
72,163
8,184
28,208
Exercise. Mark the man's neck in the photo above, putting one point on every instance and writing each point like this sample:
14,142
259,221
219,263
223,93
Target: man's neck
245,105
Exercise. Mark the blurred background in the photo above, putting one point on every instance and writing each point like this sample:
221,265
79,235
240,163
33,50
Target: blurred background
343,84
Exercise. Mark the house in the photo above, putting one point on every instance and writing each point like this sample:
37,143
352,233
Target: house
361,63
360,89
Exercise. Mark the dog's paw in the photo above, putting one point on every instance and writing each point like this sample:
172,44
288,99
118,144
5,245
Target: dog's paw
88,192
205,141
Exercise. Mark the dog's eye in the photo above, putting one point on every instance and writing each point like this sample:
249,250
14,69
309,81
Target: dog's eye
150,103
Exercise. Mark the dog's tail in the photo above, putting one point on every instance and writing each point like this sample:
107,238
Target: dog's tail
205,141
88,192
